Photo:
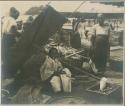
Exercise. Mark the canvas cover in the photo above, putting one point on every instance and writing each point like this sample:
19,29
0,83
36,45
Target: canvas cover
44,26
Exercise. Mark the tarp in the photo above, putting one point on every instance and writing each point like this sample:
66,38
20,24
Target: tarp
44,26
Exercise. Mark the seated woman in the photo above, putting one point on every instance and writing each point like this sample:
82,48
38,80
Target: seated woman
53,73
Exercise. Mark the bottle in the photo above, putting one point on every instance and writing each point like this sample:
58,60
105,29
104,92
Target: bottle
103,83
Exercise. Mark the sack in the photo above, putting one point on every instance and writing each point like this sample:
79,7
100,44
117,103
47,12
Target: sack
66,80
66,83
56,83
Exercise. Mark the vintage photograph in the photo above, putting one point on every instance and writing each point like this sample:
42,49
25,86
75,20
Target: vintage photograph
62,52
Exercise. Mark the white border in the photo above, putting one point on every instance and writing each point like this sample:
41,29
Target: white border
82,104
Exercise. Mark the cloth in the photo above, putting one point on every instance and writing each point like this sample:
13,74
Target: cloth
30,71
8,23
49,67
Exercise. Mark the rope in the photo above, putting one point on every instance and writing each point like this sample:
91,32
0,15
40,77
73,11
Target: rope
77,8
74,10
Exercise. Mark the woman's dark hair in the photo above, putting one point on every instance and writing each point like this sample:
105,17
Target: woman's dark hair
53,52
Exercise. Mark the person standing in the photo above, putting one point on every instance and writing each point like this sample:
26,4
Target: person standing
100,50
75,39
9,33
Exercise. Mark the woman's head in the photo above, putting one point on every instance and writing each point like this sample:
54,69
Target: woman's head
100,18
53,53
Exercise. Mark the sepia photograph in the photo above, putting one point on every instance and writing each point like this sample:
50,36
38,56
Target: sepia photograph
62,52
